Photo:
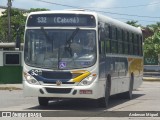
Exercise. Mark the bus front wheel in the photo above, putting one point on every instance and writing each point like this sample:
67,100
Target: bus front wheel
43,101
103,102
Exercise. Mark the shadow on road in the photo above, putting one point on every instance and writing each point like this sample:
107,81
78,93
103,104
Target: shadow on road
82,104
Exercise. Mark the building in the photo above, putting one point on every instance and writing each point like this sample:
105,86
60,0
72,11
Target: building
1,10
147,32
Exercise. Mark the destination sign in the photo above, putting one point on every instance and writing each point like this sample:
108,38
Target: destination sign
61,20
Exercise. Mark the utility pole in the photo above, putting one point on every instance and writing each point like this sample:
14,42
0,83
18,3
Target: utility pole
9,20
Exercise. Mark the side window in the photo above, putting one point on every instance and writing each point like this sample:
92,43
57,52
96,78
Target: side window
106,29
107,36
103,47
130,44
114,46
126,44
125,36
119,34
125,48
133,43
120,47
140,46
137,44
120,40
114,33
114,42
110,32
102,40
108,46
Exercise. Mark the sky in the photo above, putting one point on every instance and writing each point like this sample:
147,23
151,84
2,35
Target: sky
146,12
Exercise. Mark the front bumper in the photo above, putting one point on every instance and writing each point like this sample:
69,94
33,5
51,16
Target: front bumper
31,90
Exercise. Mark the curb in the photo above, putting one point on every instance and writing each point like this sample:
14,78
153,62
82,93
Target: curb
11,87
151,79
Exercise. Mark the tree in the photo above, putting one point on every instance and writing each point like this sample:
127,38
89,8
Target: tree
17,20
152,43
133,23
3,29
154,27
37,9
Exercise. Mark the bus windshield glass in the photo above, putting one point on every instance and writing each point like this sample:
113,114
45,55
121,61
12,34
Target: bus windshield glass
60,49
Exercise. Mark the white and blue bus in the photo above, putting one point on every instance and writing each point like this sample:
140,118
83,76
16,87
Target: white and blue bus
80,54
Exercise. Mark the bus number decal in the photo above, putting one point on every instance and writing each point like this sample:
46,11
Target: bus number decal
36,72
42,20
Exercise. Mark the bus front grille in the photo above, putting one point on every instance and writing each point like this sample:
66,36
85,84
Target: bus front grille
59,90
46,82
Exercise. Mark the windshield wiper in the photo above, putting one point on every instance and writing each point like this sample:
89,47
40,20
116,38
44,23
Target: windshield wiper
69,41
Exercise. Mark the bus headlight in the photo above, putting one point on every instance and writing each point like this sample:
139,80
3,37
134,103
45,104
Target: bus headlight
88,80
30,79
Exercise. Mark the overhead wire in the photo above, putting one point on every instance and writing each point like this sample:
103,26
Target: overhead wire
77,7
124,7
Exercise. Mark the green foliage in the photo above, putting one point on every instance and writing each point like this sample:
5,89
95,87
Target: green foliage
37,9
154,27
18,19
133,23
3,33
152,43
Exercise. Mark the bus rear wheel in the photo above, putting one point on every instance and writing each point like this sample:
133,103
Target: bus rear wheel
129,94
43,101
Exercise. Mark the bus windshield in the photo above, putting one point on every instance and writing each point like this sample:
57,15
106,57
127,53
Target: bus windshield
60,49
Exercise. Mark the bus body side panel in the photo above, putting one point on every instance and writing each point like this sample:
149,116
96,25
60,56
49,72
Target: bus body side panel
136,67
120,69
117,67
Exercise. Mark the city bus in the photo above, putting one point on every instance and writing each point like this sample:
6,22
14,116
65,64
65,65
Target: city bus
76,54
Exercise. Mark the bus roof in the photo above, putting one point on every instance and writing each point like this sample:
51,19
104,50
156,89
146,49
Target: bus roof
74,11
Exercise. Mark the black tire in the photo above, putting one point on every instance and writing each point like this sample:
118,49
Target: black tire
128,94
43,101
103,102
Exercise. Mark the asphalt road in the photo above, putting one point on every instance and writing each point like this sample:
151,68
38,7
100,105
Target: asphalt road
146,98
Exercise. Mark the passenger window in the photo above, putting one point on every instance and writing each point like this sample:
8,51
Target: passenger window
108,46
125,48
120,47
130,44
114,36
119,34
114,47
106,29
